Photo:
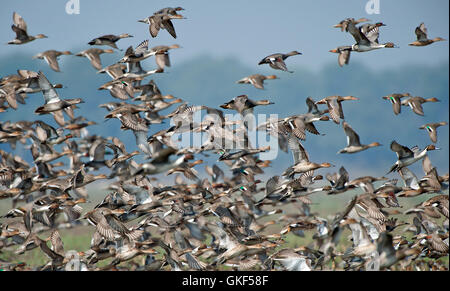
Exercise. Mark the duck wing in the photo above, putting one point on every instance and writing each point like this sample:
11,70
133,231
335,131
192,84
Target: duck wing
416,106
421,32
409,178
335,110
396,104
155,25
52,61
352,136
371,31
19,22
57,243
257,81
312,106
94,57
298,151
162,60
357,34
20,33
344,57
278,63
141,48
401,151
48,91
168,25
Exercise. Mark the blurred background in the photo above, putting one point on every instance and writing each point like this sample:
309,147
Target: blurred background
223,42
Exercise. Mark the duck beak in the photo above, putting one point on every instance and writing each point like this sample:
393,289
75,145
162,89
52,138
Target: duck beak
333,51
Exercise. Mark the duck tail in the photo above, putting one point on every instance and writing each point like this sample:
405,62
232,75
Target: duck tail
394,167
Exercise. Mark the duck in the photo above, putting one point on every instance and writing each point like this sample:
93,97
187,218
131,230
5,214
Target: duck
161,21
299,124
367,37
242,104
135,71
128,252
140,53
51,57
292,260
276,61
422,38
339,181
344,54
20,28
114,71
431,129
187,170
415,103
395,99
353,143
242,153
301,160
9,94
257,80
109,226
118,89
150,91
52,101
109,39
407,156
29,82
335,107
343,24
93,55
161,163
431,179
162,54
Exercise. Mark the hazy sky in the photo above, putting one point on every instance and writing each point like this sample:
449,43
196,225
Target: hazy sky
249,30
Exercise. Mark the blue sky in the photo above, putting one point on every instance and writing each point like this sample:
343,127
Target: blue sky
247,30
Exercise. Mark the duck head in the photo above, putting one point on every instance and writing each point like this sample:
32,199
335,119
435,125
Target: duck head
39,36
432,147
438,39
125,35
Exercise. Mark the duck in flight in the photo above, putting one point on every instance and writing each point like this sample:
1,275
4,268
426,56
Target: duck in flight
407,156
276,61
109,39
366,37
257,80
51,57
432,129
20,28
422,38
353,143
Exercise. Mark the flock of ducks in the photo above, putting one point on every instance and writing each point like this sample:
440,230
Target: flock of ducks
366,37
213,222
